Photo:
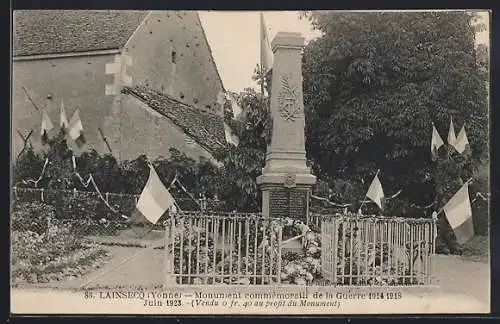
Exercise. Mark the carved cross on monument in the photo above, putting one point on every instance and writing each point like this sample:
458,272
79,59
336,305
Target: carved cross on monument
286,180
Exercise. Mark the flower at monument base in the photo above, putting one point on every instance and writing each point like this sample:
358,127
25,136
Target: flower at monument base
242,281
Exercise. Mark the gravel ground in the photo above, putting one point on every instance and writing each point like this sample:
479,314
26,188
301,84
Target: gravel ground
463,284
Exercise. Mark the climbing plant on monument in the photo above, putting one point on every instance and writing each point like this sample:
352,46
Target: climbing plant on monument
374,83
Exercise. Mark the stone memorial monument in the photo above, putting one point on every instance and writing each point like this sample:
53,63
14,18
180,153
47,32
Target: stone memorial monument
286,180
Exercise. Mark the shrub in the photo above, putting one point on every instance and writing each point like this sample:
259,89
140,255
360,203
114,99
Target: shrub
31,216
52,255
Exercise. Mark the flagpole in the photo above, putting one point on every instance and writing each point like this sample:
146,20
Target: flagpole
261,61
363,202
149,164
262,88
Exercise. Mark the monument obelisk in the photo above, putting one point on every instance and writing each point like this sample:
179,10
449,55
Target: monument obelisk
286,180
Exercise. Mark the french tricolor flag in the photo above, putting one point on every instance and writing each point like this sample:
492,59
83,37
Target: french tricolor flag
75,129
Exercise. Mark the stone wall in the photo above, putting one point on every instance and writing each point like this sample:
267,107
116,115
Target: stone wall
79,81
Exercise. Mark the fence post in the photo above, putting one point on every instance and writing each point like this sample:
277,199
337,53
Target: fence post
169,257
48,226
107,197
434,237
278,265
41,195
74,192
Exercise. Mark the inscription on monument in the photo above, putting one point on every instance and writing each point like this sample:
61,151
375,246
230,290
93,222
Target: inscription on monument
278,203
298,204
288,203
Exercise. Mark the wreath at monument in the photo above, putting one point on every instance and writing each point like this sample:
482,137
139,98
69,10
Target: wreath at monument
303,267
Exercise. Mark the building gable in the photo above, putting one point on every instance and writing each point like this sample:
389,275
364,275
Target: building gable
170,54
81,80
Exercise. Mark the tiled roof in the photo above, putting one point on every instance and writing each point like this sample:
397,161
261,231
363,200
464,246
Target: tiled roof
207,129
69,31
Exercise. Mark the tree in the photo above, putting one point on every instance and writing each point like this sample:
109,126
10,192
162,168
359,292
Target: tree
29,165
242,164
255,133
238,186
59,172
374,83
104,169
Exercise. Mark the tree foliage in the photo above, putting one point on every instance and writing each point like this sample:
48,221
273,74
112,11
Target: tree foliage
375,82
242,164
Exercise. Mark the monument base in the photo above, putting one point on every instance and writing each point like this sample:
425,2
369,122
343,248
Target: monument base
286,195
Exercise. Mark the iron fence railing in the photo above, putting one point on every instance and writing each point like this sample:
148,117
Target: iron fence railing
377,250
223,249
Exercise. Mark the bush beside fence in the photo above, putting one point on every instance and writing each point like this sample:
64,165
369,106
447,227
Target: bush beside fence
80,205
46,249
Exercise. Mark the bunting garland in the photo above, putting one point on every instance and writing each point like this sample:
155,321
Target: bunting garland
175,180
348,205
91,180
75,131
376,192
478,195
88,182
41,174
